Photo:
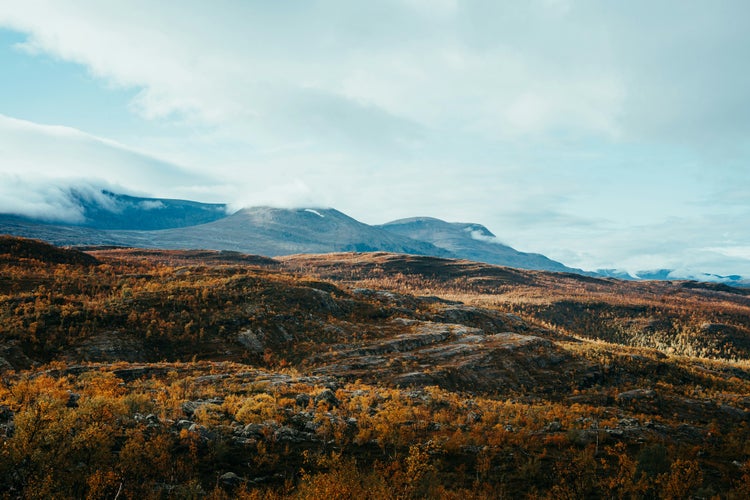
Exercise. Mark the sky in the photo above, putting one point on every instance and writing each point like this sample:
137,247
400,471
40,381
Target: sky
603,134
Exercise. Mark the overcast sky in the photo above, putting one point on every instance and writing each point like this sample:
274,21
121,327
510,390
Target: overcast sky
604,134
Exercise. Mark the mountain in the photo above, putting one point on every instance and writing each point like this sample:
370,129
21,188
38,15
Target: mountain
280,231
103,209
471,242
112,219
259,230
672,274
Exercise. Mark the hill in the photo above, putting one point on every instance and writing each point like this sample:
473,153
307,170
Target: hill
178,373
13,250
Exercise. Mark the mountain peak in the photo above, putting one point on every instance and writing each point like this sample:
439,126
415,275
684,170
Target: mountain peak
471,241
123,220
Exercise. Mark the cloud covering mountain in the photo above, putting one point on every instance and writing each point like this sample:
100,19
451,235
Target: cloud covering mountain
600,134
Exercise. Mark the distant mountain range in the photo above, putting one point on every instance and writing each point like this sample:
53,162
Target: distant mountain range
671,274
112,219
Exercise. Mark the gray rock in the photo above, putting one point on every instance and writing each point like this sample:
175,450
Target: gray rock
184,424
230,480
250,341
554,426
72,400
289,435
189,407
635,395
302,400
733,412
327,396
259,431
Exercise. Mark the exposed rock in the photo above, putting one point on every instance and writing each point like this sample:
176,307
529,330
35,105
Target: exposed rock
150,420
72,400
205,434
302,400
259,431
189,407
734,412
12,357
7,426
138,372
5,365
635,395
553,426
290,435
413,379
109,346
230,480
250,341
328,397
184,424
484,319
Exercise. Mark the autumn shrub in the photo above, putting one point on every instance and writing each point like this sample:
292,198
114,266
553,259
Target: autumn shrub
257,409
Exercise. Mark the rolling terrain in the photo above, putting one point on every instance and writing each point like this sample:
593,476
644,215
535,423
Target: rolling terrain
157,373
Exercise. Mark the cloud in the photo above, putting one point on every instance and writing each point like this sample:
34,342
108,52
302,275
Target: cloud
690,245
45,170
599,133
481,234
56,152
294,194
686,67
44,200
151,205
317,68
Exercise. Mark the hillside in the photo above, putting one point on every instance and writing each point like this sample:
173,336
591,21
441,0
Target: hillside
676,317
154,373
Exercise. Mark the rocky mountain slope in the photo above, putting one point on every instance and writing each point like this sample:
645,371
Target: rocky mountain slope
278,231
471,242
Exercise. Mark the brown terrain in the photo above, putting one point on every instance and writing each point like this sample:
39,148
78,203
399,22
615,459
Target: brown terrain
174,374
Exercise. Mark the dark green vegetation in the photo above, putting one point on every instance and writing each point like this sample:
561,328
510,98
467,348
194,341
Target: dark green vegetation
189,374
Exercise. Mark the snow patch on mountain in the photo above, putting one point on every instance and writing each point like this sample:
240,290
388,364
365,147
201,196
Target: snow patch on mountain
315,212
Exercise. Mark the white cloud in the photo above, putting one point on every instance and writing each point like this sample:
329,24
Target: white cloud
44,200
40,164
255,69
151,205
553,122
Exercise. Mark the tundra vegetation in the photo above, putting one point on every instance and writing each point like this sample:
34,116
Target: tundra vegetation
127,373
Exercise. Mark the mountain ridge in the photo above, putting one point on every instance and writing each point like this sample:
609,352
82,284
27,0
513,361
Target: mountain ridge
472,241
112,219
